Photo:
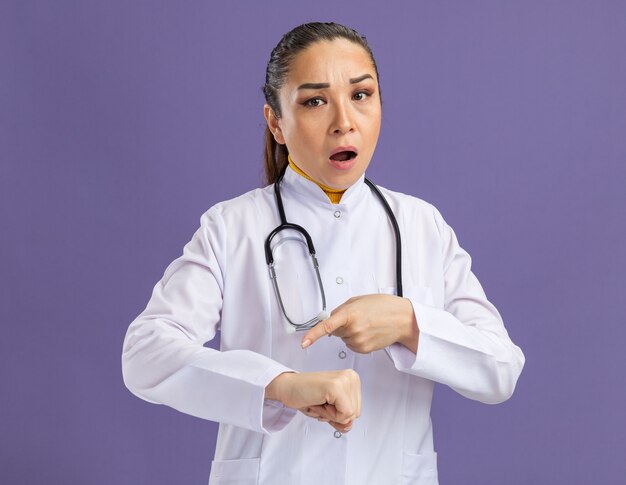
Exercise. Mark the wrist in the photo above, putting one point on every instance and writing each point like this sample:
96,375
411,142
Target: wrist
275,390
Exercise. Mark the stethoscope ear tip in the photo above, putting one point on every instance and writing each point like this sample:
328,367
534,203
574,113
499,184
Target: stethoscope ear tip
291,329
323,315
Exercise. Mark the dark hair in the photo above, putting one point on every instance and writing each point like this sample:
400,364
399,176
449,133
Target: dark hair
282,55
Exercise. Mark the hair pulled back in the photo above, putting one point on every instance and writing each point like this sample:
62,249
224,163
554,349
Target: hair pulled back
292,43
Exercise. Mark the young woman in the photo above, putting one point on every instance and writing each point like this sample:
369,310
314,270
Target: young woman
319,251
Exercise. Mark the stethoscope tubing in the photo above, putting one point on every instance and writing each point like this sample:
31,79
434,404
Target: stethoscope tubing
396,232
269,258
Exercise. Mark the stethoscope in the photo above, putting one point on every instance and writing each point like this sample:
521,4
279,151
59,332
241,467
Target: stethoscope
269,258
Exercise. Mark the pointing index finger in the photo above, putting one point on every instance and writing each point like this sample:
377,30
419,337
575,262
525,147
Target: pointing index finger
325,327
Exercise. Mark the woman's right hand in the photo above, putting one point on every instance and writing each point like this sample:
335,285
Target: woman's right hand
331,396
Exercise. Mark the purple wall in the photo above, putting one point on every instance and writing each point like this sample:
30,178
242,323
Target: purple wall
122,122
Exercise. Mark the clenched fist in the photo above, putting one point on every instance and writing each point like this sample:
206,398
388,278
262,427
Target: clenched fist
331,396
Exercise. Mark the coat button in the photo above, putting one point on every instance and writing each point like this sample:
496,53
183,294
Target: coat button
339,280
337,214
342,355
337,434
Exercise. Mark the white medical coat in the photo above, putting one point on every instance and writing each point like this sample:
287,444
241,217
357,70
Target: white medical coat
222,282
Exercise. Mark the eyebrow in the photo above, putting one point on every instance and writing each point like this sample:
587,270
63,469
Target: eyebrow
327,85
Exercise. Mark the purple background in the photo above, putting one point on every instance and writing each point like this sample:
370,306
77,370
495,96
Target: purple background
122,122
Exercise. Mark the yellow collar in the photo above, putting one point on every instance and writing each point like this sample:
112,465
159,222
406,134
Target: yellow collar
333,194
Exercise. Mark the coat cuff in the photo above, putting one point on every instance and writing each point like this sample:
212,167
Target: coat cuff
276,416
479,365
227,387
402,357
441,337
272,415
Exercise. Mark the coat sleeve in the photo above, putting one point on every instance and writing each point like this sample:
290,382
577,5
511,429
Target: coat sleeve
164,360
464,345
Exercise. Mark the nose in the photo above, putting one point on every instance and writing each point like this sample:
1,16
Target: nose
343,121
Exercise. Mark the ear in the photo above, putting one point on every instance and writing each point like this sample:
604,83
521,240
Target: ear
272,123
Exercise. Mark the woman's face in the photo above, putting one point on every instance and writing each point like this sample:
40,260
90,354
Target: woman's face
329,102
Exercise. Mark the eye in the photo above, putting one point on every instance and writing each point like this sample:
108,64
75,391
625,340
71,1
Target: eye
364,95
313,102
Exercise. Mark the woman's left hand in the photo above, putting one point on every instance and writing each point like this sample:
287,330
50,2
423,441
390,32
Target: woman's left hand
369,322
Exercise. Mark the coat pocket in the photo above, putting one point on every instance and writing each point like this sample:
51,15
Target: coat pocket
235,472
419,469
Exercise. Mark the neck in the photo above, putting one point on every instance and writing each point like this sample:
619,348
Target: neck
333,194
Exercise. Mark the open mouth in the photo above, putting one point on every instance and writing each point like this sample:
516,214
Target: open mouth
343,156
